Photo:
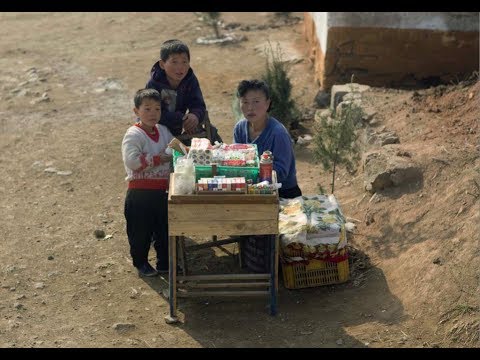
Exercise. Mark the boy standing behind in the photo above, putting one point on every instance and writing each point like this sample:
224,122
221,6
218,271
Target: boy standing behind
178,86
148,170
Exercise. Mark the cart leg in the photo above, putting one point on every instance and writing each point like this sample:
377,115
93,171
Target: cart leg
172,280
277,257
240,254
273,274
182,254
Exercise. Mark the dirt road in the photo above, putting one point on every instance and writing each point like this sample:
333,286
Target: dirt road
66,87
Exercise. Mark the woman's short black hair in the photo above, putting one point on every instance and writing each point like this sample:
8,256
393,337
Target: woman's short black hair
246,85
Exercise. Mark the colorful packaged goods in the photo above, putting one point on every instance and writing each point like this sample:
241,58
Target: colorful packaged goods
266,167
235,160
261,188
178,146
312,241
222,183
236,155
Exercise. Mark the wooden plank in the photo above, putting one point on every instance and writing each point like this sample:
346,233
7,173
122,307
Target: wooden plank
224,277
222,226
222,212
223,199
211,244
225,285
221,293
220,192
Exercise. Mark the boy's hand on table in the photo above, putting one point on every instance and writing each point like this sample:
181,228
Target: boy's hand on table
162,158
190,123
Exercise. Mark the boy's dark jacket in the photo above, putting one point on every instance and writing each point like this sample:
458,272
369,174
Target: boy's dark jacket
189,96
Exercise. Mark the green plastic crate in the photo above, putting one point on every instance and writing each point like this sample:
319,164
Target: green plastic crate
202,171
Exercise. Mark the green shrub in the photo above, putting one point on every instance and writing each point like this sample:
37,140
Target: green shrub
335,139
212,19
237,112
276,76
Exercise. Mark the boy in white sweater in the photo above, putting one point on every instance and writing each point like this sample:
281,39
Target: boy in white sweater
148,170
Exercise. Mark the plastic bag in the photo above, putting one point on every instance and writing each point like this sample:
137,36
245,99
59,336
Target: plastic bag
184,177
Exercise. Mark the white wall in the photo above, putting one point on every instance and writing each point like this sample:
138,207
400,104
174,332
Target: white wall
445,21
320,20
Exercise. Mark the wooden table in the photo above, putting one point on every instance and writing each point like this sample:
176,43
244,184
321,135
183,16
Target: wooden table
213,214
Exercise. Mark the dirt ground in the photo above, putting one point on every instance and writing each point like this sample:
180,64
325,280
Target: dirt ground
66,87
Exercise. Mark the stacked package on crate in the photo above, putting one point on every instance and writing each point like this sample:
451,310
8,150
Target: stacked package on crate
203,153
200,151
236,155
312,241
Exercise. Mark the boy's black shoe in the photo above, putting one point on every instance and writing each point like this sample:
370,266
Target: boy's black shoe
162,269
147,270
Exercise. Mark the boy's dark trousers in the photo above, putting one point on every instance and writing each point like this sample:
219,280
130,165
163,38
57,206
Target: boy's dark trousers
147,221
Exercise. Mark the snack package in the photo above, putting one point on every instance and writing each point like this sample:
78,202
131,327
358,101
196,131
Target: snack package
178,146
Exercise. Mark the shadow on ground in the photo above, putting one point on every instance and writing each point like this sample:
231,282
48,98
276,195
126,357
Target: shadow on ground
312,317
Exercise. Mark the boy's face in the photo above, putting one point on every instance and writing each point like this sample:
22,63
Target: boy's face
254,105
176,67
149,112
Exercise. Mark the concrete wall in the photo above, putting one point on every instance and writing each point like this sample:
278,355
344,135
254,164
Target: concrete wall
455,21
392,49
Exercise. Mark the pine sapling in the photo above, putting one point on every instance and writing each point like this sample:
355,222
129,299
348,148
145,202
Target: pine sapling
212,19
335,139
276,76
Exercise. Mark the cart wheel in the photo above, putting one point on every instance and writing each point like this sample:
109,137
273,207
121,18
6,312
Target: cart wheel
171,320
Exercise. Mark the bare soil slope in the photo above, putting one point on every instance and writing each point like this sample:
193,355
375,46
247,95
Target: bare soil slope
66,87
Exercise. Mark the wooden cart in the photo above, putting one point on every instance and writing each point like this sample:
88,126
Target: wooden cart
213,214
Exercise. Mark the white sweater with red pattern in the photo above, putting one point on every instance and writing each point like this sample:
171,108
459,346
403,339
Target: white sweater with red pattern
140,153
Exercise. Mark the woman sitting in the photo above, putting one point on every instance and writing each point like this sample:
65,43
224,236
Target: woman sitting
258,127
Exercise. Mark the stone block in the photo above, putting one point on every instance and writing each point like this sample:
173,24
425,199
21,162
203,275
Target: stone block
383,169
339,91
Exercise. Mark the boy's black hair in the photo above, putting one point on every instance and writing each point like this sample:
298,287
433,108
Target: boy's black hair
173,46
143,94
246,85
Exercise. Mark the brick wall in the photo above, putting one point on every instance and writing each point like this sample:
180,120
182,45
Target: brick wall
391,57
